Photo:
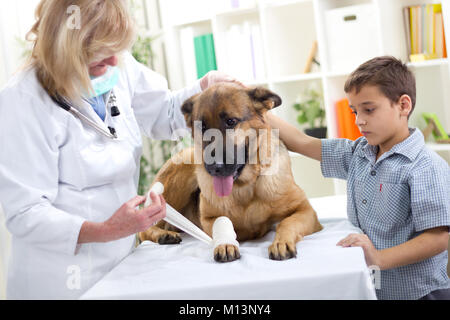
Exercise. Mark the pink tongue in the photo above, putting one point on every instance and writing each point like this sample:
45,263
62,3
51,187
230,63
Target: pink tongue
223,185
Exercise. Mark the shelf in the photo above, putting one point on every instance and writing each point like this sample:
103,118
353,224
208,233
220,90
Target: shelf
256,82
428,63
281,3
191,22
288,29
299,77
289,33
421,64
236,12
438,146
295,154
337,74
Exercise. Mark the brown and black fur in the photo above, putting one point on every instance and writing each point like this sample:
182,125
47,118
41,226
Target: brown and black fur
257,201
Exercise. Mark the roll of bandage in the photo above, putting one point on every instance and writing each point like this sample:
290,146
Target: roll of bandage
158,189
177,219
223,232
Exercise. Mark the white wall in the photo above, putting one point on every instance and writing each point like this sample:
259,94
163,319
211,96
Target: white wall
16,18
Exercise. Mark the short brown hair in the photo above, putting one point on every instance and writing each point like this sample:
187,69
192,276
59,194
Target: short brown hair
389,74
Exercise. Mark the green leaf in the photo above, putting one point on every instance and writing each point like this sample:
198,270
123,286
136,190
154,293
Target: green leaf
302,118
310,108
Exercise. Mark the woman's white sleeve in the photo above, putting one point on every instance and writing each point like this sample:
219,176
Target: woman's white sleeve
29,161
157,109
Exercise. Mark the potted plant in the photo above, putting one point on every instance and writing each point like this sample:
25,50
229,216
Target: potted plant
311,111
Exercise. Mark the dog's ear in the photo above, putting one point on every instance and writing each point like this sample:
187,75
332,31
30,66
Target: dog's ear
265,97
187,109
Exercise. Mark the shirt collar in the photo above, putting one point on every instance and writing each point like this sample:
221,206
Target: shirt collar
410,147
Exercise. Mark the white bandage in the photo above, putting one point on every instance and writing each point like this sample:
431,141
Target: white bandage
158,189
176,219
223,232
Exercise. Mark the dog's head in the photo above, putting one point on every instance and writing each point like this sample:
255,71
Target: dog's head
223,119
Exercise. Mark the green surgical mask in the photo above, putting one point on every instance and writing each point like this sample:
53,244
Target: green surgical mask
106,82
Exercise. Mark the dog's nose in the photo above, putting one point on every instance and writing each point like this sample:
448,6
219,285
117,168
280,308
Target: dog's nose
220,169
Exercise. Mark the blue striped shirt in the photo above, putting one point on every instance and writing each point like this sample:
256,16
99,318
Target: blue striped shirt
392,200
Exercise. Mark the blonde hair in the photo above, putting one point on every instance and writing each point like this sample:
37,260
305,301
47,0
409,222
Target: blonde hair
62,51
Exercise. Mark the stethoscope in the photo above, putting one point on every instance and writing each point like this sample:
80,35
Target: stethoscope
112,105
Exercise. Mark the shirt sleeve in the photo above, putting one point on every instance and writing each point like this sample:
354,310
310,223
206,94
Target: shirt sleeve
430,195
337,155
29,160
157,109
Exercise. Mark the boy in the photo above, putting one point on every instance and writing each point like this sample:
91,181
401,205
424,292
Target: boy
397,189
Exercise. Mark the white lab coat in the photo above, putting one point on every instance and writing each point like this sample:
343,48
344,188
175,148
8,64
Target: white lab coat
56,173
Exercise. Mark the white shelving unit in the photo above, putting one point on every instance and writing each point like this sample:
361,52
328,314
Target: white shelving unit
288,30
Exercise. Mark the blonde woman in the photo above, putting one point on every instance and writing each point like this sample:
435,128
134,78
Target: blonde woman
70,143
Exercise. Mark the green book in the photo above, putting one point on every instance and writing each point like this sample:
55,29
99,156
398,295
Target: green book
199,56
205,56
210,52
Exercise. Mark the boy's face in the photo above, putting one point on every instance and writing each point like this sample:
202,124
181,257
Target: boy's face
382,122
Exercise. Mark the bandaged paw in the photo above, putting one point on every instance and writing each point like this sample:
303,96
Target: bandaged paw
158,189
223,232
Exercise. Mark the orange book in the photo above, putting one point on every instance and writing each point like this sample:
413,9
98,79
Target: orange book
340,118
346,121
441,48
443,43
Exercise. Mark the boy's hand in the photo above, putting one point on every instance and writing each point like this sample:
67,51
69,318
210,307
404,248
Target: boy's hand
371,254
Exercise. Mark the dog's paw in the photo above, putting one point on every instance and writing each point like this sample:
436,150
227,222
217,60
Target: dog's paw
226,253
282,250
169,238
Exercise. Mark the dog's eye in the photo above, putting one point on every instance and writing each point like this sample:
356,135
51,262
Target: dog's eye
232,122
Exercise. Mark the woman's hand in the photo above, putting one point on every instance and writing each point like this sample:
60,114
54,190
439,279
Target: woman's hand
214,77
126,221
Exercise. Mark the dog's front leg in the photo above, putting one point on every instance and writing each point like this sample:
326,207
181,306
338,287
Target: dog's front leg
161,234
226,248
286,238
291,230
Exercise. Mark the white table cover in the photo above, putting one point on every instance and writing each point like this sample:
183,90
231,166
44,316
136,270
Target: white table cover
187,271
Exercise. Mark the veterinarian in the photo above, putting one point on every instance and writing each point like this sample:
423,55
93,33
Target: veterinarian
70,139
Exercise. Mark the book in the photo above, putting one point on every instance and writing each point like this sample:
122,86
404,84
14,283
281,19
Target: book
205,55
440,38
406,24
247,53
187,50
199,56
210,53
258,56
244,57
424,32
347,127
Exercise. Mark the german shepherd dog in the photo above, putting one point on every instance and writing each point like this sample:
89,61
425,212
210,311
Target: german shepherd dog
230,176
